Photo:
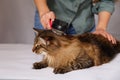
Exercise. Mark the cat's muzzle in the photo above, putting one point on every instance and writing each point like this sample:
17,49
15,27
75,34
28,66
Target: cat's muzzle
36,48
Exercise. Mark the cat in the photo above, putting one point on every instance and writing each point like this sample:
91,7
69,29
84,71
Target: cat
66,53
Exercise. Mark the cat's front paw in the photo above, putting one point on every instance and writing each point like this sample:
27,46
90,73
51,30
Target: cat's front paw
61,70
39,65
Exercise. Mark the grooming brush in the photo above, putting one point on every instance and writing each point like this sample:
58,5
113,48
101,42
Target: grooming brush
59,27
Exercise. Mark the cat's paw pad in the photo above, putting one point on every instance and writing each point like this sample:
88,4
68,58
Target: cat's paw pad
38,65
60,70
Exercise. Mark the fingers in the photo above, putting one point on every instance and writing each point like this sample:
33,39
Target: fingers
106,35
45,19
110,38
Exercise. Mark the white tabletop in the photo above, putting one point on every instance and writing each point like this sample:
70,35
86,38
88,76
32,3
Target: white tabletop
16,63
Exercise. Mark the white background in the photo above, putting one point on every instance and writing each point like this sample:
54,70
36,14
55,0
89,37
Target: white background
16,21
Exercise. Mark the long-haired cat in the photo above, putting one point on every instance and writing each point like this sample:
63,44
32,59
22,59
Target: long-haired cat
66,53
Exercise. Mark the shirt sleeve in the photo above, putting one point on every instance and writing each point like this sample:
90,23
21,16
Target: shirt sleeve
103,5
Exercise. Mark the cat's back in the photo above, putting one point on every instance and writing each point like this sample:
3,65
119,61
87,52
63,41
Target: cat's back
101,42
95,39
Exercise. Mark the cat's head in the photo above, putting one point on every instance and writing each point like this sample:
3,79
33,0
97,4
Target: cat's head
45,41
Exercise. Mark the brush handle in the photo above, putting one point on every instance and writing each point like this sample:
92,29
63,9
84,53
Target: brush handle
50,23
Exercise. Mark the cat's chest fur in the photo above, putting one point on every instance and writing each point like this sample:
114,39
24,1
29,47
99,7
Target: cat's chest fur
68,53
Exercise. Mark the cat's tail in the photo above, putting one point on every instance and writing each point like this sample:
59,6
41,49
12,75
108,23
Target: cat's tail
112,50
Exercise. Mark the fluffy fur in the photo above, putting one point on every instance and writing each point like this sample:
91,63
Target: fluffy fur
65,53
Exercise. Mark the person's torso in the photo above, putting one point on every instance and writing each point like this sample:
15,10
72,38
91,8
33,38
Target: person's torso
75,12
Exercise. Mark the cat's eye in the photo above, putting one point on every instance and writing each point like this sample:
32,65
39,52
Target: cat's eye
38,46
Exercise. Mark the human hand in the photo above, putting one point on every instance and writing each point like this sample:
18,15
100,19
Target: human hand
46,18
105,34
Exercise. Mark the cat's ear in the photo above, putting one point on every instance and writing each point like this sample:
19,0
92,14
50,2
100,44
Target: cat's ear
37,30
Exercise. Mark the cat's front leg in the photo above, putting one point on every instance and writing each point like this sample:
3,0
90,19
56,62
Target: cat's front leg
62,70
40,65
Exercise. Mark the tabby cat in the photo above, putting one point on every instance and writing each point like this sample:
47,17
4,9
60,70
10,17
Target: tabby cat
66,53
